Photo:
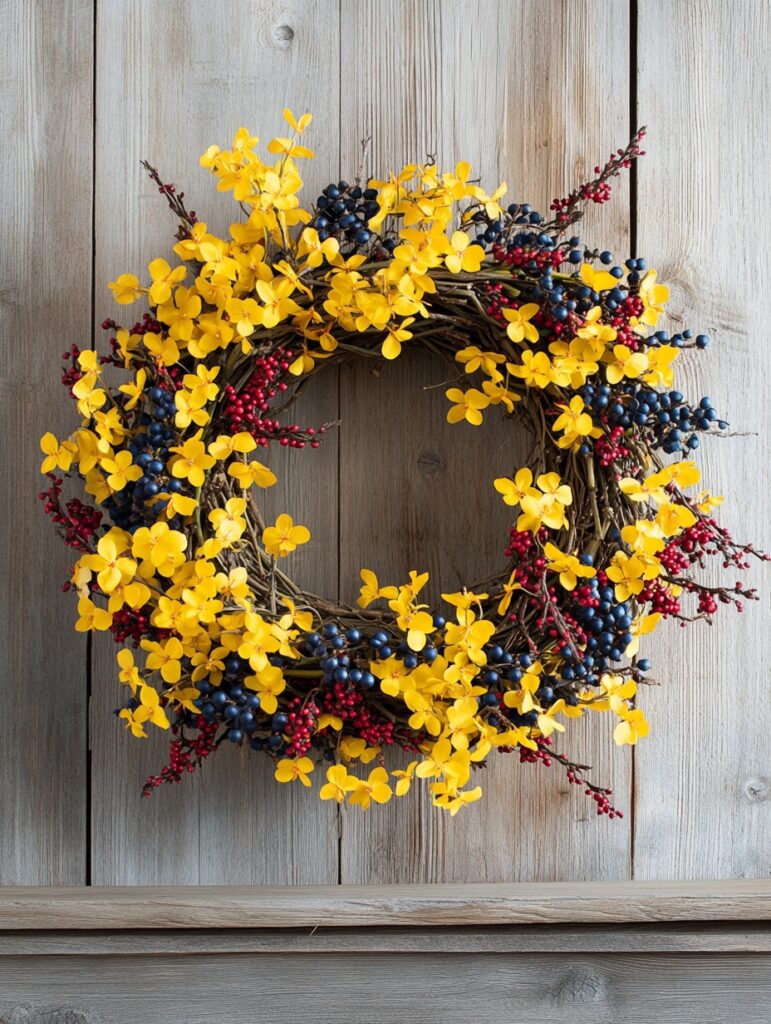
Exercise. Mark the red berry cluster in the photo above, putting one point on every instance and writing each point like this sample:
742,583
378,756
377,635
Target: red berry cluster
586,597
542,754
706,537
693,545
185,754
568,629
736,555
350,705
245,410
659,598
71,375
531,565
497,302
303,718
77,523
697,541
594,192
128,624
673,559
525,256
609,448
520,543
598,794
632,306
707,603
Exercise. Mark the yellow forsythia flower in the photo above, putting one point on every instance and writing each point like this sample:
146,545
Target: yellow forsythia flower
282,538
289,769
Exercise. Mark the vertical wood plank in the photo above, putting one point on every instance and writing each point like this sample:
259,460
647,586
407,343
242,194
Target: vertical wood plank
174,77
704,779
45,276
535,93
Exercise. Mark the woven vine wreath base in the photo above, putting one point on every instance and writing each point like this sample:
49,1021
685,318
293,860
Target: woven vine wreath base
175,558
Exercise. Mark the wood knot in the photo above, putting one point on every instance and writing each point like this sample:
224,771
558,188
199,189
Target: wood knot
35,1015
283,36
580,985
756,789
431,462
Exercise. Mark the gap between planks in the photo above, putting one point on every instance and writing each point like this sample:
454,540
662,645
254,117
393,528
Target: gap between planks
678,937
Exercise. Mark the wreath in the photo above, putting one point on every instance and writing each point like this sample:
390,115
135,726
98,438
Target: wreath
175,558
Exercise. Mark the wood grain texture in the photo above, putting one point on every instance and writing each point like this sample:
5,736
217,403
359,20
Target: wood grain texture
703,789
517,988
45,280
528,92
485,904
175,77
700,937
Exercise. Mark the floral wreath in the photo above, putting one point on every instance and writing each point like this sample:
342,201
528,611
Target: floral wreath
175,557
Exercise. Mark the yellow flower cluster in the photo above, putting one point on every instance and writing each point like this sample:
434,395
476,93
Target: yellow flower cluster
569,362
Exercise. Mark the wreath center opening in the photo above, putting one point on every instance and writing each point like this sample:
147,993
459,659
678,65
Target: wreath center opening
401,487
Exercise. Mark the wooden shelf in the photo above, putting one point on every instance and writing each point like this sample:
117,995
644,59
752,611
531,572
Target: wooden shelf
418,906
649,952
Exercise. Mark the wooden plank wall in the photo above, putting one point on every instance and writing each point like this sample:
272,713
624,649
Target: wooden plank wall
533,91
703,783
45,286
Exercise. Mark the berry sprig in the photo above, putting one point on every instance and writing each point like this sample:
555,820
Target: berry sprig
77,524
186,753
599,189
545,755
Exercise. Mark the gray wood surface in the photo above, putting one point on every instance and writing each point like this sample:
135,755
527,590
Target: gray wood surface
435,988
703,778
528,93
45,276
354,906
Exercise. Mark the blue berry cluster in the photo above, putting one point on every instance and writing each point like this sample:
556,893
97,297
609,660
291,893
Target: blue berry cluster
607,629
149,449
635,267
490,230
339,651
682,339
342,210
672,423
336,649
231,704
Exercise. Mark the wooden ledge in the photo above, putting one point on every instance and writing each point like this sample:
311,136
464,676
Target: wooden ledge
268,907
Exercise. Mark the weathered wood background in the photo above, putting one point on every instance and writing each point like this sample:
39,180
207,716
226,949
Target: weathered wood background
552,953
533,91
